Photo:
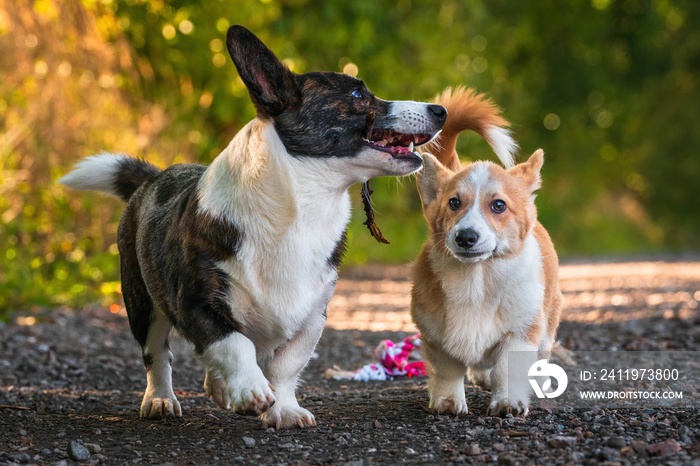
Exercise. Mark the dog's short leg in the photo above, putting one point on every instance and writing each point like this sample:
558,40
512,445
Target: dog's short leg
151,330
232,367
159,399
283,371
480,377
509,379
215,388
446,380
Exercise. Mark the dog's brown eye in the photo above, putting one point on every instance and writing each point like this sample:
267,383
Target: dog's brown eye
498,206
454,203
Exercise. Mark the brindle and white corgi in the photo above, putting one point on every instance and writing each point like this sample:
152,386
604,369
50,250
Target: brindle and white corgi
241,256
486,280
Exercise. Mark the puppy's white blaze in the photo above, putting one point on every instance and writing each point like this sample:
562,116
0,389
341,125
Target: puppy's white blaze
95,173
502,144
478,182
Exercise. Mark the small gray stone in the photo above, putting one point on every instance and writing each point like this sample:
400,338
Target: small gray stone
93,447
561,441
21,457
609,454
77,451
472,450
248,442
617,442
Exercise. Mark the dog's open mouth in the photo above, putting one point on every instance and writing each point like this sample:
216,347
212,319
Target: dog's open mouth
399,145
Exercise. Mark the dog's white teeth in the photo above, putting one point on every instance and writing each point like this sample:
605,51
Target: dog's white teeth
382,142
410,147
416,138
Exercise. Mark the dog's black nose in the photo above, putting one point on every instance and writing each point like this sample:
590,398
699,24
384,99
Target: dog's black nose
466,238
438,113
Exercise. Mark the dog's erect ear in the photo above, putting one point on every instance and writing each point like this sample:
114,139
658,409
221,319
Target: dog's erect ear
529,171
430,178
271,85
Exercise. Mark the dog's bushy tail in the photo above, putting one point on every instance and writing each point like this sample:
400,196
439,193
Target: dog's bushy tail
469,110
115,174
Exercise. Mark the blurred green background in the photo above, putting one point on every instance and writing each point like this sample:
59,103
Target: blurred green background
609,88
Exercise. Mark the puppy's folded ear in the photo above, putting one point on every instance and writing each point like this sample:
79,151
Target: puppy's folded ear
429,180
529,171
271,85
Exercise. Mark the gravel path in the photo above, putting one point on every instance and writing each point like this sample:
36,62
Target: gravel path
71,383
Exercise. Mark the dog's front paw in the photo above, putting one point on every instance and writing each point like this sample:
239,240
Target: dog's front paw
450,405
284,417
153,407
250,397
504,406
215,388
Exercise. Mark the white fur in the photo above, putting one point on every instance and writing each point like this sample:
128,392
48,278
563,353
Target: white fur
502,144
488,299
478,183
279,274
159,399
95,173
233,360
411,117
489,305
292,212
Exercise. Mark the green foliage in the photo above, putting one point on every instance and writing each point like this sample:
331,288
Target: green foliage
609,89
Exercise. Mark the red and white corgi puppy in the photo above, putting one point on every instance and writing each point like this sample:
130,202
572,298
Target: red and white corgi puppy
486,280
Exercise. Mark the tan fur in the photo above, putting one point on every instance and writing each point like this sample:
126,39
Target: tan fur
467,110
472,313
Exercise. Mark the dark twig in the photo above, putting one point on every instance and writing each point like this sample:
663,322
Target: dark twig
369,212
20,408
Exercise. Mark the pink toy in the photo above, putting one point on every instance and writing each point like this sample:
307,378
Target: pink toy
401,359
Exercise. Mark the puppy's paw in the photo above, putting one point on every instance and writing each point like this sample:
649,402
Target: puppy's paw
449,405
284,417
158,408
481,378
215,388
249,396
503,406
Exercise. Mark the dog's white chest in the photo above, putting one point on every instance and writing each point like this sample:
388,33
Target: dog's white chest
279,282
485,302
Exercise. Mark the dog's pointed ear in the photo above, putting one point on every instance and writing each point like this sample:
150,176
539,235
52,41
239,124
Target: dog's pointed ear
430,178
271,85
529,171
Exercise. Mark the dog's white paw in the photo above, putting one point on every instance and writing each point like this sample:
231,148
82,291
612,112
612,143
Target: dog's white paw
215,388
503,406
250,396
284,417
450,405
158,408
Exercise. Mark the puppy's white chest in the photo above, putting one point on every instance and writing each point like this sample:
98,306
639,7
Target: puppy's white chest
487,301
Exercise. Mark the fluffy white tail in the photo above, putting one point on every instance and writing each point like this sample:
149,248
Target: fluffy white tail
115,174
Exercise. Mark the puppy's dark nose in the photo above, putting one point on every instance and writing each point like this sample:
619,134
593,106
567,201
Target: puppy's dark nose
438,113
466,238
